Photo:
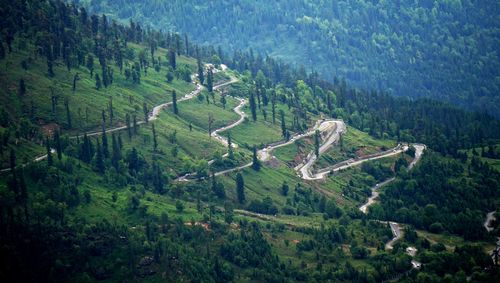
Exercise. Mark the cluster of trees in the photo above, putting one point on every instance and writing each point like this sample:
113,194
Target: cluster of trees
442,195
419,48
37,200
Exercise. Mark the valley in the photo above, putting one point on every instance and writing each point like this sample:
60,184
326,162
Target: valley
131,154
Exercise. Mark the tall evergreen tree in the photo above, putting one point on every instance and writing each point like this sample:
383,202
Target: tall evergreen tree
255,160
210,80
75,79
90,64
49,151
22,87
99,159
155,140
240,188
127,123
317,139
111,110
116,154
273,107
174,102
105,148
172,58
68,113
253,107
230,146
283,124
57,142
145,111
98,83
201,74
135,125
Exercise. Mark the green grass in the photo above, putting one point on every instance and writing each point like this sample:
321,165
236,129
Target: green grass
355,144
197,111
452,241
127,97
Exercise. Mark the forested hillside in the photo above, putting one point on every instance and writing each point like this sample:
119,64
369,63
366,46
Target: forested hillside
446,50
130,154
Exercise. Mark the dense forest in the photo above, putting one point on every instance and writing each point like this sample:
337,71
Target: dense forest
93,179
441,49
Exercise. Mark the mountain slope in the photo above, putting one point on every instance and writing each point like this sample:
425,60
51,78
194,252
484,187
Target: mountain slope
444,50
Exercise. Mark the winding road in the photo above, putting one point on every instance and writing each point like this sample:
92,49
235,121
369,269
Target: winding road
153,115
330,130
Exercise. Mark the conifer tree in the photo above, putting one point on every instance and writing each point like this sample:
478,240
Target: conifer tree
68,113
230,147
98,83
253,107
283,124
174,102
255,160
116,154
105,148
99,159
49,151
240,188
316,143
57,142
22,87
145,111
210,80
127,123
172,58
155,141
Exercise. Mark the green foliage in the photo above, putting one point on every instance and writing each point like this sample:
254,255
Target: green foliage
416,48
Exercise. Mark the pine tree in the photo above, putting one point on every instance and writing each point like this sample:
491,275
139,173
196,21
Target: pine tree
230,146
105,148
75,79
255,160
316,143
210,80
273,107
186,44
98,83
155,141
283,124
99,159
49,151
135,125
172,58
110,110
116,154
68,113
22,87
57,142
284,189
50,63
201,74
253,107
86,150
240,188
174,102
223,101
103,116
90,64
127,123
145,111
